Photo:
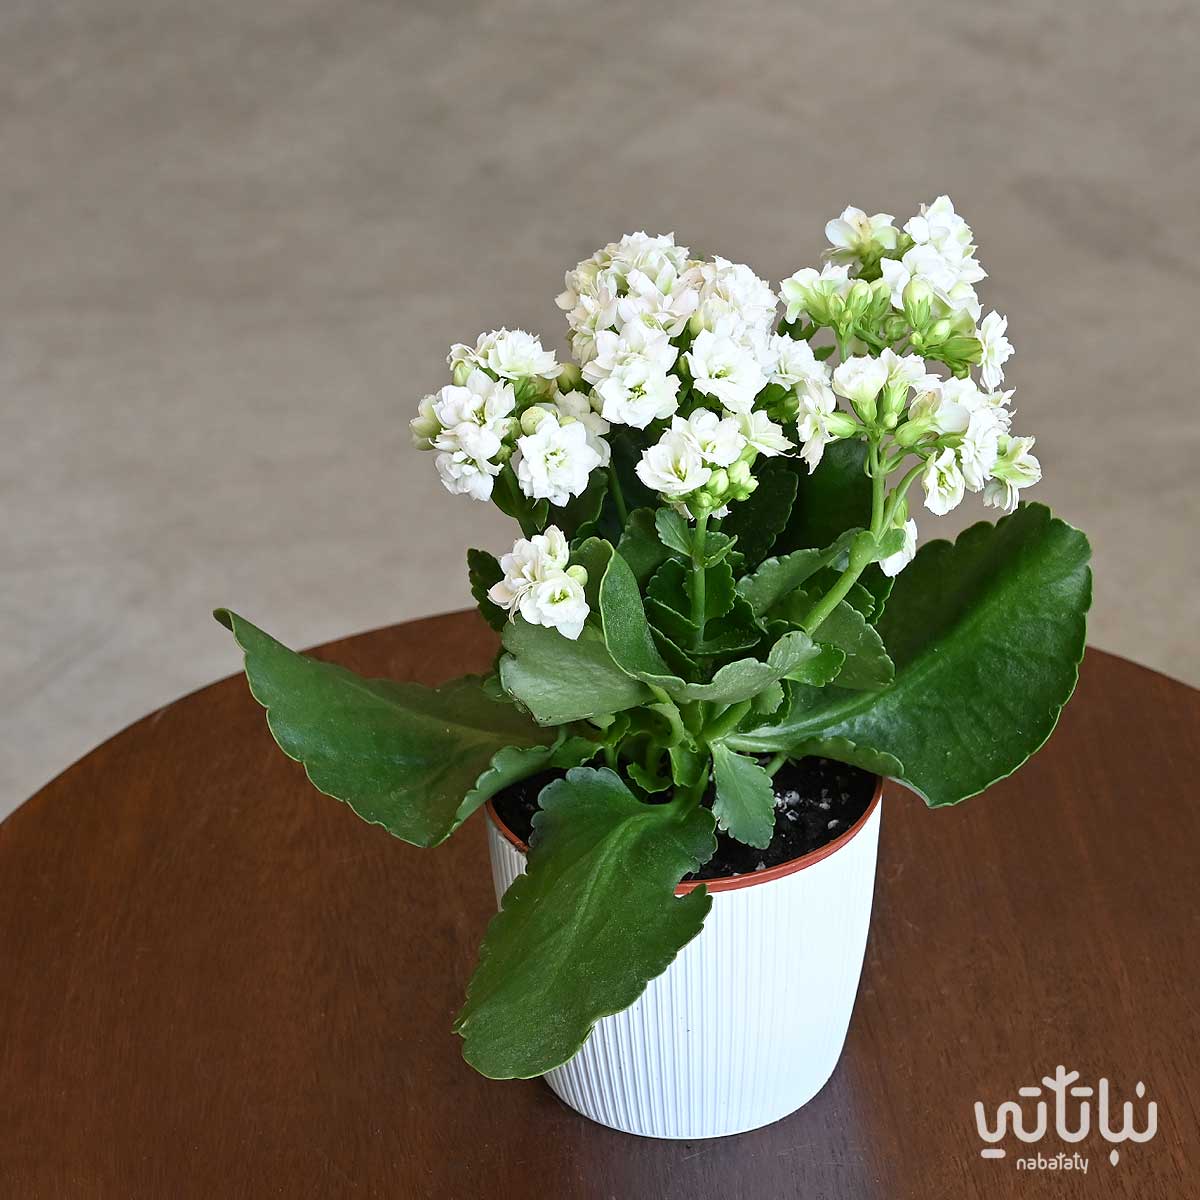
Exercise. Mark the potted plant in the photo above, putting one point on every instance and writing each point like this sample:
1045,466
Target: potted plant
717,636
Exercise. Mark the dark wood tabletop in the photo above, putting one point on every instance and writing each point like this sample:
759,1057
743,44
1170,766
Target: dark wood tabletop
215,982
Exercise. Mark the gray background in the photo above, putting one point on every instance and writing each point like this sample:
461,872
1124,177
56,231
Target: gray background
238,238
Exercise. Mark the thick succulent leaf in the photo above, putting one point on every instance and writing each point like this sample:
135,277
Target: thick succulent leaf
626,631
482,571
673,584
794,656
986,634
593,920
400,755
833,498
745,797
776,578
867,664
640,546
559,680
758,520
514,763
841,749
673,531
874,585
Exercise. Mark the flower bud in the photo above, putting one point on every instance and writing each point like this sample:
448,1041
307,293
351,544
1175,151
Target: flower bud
916,299
569,377
940,330
911,432
531,418
424,426
462,372
579,574
858,298
718,483
841,424
739,473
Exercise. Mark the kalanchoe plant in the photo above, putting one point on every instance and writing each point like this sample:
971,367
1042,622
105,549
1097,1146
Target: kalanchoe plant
717,573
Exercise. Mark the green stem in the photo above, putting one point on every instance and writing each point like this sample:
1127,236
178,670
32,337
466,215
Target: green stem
862,550
727,722
698,539
773,766
614,490
898,494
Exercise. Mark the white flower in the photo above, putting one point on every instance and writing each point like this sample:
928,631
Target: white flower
763,434
591,315
557,603
616,261
940,226
943,483
903,370
933,405
979,447
1015,468
664,302
860,380
950,280
895,563
531,560
818,405
554,462
463,475
997,349
717,438
473,419
801,291
794,362
731,296
575,406
515,354
965,394
725,369
537,585
673,466
630,376
854,235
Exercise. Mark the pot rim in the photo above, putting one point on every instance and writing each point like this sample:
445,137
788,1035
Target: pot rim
731,883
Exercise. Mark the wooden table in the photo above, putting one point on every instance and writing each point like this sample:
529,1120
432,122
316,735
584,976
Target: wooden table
215,982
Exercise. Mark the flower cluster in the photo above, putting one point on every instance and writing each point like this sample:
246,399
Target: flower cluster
540,585
690,370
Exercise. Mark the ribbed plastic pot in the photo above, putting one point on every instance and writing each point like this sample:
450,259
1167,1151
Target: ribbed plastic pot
747,1024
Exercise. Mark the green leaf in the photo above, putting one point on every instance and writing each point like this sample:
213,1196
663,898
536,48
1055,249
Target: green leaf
400,755
482,571
640,546
514,763
878,586
673,584
986,634
794,656
841,749
777,577
577,518
745,797
758,520
593,920
867,664
559,680
832,499
626,632
673,531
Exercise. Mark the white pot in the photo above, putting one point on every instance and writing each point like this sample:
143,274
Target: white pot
747,1024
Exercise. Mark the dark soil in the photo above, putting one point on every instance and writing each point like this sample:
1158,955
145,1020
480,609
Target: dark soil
816,801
